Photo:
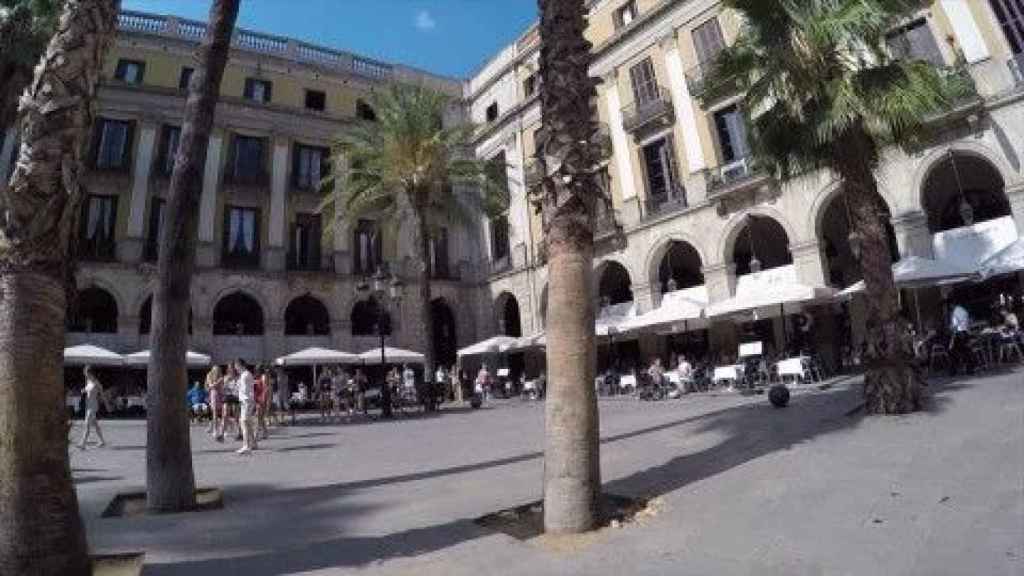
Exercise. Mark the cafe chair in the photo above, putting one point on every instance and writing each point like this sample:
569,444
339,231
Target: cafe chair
979,350
938,351
1009,348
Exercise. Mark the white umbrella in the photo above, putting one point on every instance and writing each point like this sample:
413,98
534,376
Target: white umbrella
916,272
773,288
316,356
612,318
537,340
490,346
192,359
94,355
677,306
1007,261
392,356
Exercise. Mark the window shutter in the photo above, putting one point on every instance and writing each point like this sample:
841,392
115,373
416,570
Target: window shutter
127,153
315,236
247,91
296,153
256,232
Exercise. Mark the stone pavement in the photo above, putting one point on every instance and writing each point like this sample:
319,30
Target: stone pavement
743,488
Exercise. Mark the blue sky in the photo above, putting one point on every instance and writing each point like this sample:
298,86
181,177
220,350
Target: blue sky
452,37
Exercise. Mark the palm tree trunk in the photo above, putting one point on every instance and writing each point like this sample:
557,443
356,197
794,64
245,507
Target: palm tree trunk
421,310
41,531
572,466
170,481
891,384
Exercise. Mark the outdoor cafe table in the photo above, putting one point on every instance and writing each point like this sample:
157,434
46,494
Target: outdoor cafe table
727,373
791,367
627,381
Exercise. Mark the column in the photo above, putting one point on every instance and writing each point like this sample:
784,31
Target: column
809,263
130,248
646,297
274,258
682,103
7,154
720,280
620,144
912,234
207,254
1015,194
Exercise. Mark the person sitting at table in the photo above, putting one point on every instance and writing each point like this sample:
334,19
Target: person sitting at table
685,371
1010,322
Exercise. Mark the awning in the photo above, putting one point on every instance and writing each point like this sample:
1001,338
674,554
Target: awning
492,345
969,247
93,355
915,272
614,317
538,340
769,289
676,307
392,356
192,359
317,356
1007,261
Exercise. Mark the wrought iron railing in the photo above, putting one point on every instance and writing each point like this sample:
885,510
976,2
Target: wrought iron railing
643,112
670,201
733,175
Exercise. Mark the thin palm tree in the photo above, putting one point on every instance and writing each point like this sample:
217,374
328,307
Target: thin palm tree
413,167
25,28
170,480
569,156
824,90
41,531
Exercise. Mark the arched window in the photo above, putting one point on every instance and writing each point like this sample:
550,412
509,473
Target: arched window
680,268
146,317
306,316
764,238
509,321
962,190
842,268
94,310
366,314
614,286
237,314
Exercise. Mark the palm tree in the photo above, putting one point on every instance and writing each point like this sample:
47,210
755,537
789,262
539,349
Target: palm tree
25,28
822,90
41,532
569,155
413,167
170,481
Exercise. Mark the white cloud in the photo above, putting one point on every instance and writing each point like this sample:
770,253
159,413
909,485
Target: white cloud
424,21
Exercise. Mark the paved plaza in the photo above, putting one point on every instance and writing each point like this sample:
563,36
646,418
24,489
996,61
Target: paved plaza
742,488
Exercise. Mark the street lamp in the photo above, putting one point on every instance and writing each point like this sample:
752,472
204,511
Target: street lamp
755,264
384,289
965,208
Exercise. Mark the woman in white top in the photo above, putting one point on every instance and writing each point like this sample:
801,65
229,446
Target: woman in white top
93,394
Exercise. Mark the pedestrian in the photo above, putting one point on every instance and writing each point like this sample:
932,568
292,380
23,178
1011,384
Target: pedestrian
93,393
215,390
231,403
197,403
959,326
247,407
360,384
483,382
259,392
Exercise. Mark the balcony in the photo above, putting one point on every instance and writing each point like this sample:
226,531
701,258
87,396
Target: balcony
254,178
697,80
734,176
656,205
648,115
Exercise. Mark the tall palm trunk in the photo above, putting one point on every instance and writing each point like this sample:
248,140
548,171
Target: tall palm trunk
421,310
170,482
572,467
40,529
891,385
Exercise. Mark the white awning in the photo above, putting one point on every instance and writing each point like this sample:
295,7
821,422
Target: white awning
537,340
969,247
915,272
94,355
392,356
769,289
676,307
1007,261
614,318
141,359
492,345
317,356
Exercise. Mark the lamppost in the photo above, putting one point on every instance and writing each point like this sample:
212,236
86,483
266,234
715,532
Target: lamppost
755,264
384,289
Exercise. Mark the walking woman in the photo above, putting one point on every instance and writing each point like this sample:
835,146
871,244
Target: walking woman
93,394
215,388
230,414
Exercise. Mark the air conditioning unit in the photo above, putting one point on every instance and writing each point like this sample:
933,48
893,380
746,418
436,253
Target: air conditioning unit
735,170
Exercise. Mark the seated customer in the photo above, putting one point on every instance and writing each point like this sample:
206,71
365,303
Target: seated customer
198,406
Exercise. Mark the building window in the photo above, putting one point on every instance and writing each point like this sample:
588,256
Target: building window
1010,14
113,139
492,112
625,14
369,248
247,160
660,172
97,228
309,166
170,137
708,41
304,250
156,224
530,85
499,238
257,90
316,100
365,112
915,41
438,257
185,78
241,237
130,71
645,85
732,134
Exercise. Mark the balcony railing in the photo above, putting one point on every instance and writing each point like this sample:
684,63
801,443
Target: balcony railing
698,76
734,176
660,204
657,109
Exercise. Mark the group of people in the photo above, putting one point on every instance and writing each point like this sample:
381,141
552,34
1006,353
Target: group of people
243,399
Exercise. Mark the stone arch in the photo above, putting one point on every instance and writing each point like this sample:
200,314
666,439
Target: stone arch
146,314
654,256
829,222
93,310
957,177
366,315
965,148
306,315
85,282
614,282
238,313
236,287
508,314
737,224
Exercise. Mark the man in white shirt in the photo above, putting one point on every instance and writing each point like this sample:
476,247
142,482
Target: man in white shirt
685,371
959,324
247,400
